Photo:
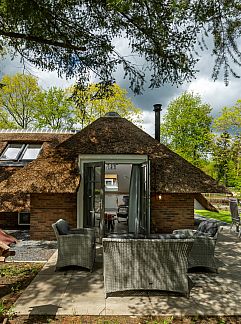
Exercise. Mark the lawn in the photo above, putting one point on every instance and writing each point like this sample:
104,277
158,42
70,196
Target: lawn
223,215
14,278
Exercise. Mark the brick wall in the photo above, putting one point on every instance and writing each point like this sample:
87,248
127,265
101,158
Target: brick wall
48,208
172,211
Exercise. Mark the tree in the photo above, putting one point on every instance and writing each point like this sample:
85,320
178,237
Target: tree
222,156
90,106
18,97
77,37
5,123
54,109
229,124
186,127
229,119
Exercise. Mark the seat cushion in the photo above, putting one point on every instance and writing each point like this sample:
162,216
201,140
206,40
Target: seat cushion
62,227
208,227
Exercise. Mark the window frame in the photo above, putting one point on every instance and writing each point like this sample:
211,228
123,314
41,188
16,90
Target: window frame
26,147
19,218
19,158
18,155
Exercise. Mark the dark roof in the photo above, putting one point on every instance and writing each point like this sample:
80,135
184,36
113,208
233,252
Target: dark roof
57,169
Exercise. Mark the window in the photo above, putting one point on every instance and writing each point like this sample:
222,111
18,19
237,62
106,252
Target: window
12,152
110,166
24,218
111,183
31,152
21,152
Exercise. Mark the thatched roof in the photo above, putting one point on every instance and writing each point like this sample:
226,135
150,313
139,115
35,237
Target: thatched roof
30,137
14,202
7,171
47,139
50,172
57,170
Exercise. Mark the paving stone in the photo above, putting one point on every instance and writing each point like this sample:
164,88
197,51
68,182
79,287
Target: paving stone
80,292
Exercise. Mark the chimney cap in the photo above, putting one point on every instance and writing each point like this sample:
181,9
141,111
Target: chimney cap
157,107
112,114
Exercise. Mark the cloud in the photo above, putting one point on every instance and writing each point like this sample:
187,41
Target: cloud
214,93
47,79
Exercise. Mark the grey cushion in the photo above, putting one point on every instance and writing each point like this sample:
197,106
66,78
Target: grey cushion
207,227
62,227
150,236
169,236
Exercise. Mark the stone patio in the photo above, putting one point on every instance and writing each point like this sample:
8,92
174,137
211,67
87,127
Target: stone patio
79,292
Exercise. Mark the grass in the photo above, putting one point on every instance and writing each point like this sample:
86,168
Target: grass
14,278
223,215
8,270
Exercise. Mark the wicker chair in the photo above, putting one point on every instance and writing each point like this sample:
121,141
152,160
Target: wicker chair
75,247
233,205
203,250
146,264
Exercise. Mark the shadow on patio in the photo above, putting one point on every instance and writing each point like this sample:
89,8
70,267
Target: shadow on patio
79,292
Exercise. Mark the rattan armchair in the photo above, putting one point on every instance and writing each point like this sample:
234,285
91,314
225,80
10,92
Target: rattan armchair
75,247
203,250
146,264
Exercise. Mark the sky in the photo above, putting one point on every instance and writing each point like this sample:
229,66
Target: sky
214,93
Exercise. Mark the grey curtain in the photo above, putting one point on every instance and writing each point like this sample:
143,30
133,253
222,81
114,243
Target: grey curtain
134,200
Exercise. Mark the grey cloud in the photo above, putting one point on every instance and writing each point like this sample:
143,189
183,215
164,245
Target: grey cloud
214,93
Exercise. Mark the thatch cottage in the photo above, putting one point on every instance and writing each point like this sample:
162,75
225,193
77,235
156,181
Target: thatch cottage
109,163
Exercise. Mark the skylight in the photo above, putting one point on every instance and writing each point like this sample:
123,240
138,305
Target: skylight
12,152
21,152
31,152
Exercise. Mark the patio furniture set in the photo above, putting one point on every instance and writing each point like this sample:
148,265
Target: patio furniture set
145,263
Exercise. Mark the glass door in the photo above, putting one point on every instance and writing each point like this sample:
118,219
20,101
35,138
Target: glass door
94,197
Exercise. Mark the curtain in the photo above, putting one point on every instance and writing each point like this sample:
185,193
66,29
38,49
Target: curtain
134,200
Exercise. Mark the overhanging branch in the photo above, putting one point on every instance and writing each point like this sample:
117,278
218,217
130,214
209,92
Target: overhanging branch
41,40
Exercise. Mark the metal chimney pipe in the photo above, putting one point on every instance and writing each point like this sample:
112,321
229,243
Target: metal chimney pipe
157,109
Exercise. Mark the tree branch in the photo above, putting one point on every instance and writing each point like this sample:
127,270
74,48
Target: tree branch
41,40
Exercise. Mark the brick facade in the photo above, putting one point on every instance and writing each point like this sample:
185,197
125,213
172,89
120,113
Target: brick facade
48,208
172,211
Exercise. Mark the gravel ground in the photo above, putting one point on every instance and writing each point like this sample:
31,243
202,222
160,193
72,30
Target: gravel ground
29,250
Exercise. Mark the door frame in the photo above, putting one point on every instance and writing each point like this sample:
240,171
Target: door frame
115,158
